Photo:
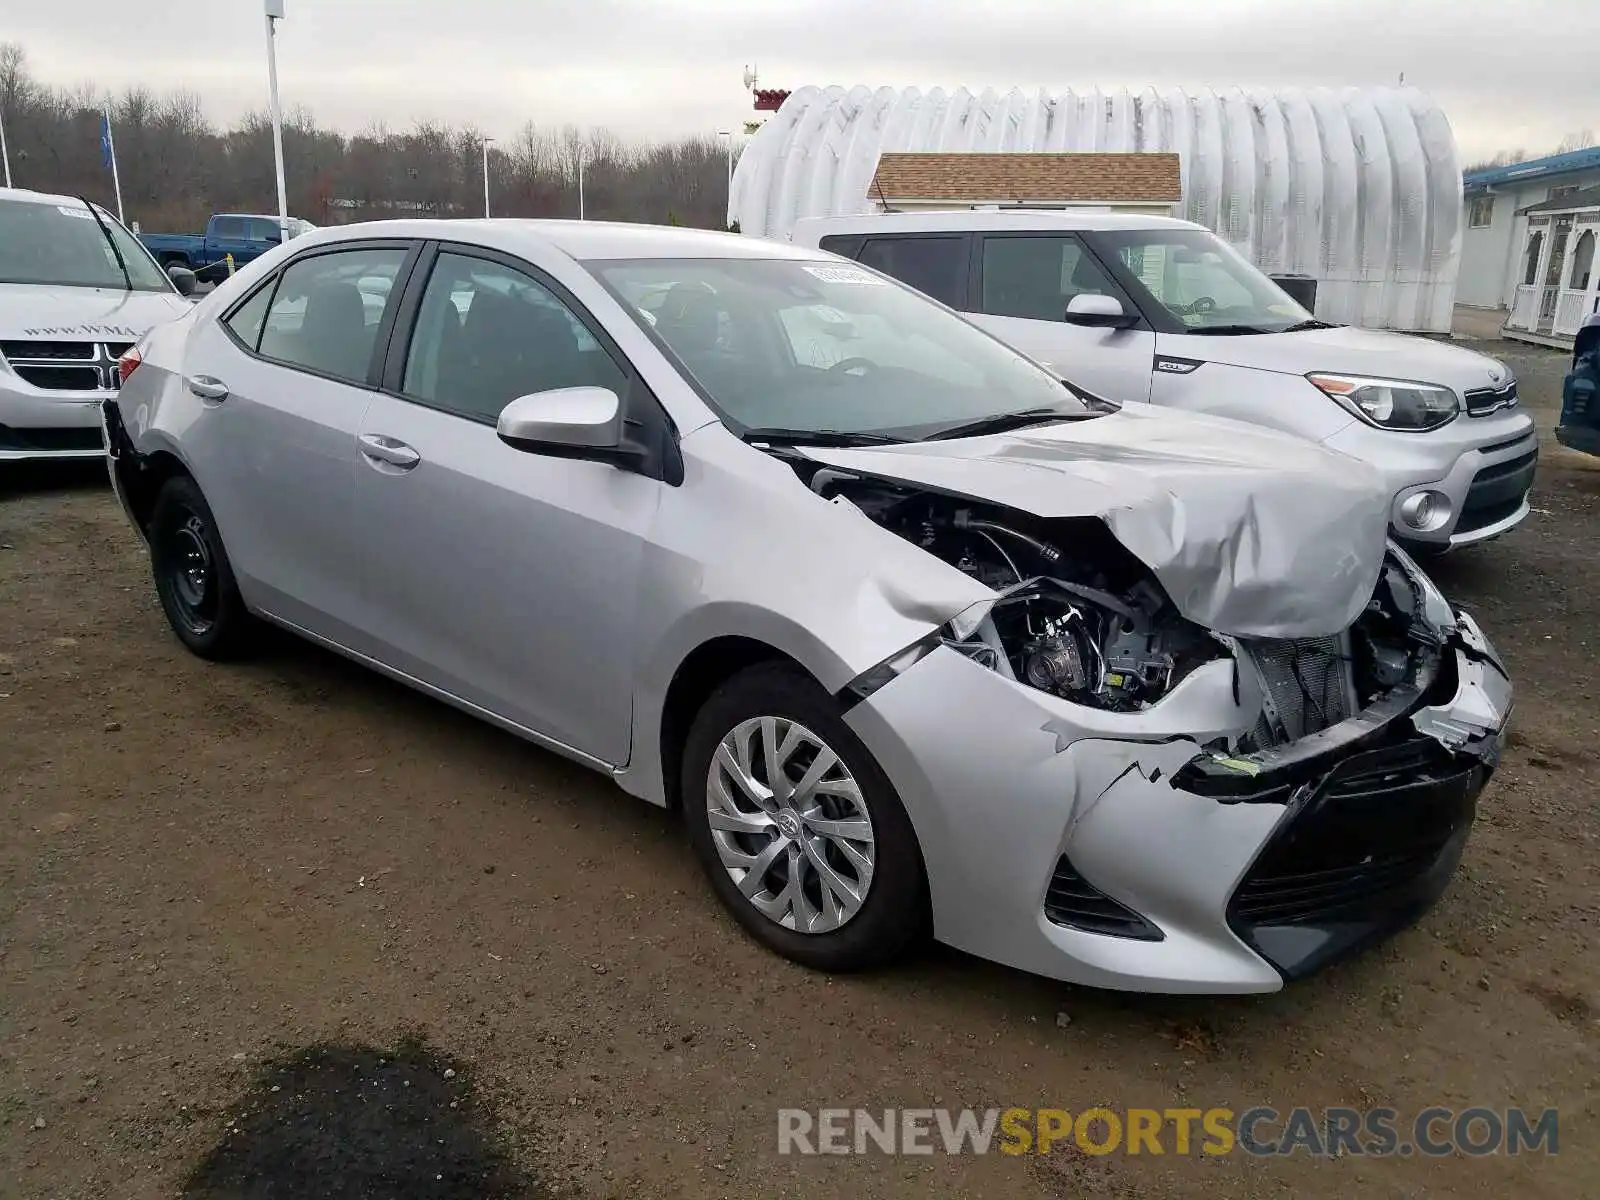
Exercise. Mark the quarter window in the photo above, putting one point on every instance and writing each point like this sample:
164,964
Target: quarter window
935,266
487,334
327,310
1036,276
248,318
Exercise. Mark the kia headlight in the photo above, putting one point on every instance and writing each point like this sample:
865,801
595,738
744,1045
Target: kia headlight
1391,403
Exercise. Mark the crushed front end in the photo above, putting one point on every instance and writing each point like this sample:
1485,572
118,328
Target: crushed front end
1107,793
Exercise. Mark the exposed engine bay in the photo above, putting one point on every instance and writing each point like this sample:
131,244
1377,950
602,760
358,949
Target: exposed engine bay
1079,617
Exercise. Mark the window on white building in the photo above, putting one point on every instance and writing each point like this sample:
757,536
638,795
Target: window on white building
1583,262
1480,212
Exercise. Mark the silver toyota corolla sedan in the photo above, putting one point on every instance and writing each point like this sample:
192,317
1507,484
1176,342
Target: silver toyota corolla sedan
915,637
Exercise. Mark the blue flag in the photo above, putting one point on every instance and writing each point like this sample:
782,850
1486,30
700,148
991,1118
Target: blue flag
105,140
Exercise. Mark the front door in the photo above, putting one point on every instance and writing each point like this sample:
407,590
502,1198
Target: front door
507,579
1555,263
1025,282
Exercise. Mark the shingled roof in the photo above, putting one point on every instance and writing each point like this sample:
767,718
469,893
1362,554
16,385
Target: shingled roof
1150,178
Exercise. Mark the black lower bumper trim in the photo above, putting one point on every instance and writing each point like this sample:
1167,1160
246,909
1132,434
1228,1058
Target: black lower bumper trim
1360,856
45,441
1584,438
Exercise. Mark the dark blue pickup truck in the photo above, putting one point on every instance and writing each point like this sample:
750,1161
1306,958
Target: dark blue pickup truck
246,236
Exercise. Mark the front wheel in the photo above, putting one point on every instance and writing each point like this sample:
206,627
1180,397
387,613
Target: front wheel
193,577
798,828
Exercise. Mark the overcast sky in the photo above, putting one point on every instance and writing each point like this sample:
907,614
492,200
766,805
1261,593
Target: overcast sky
1510,73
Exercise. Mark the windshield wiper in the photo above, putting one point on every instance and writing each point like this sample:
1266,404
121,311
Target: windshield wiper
816,437
1001,422
1227,330
1313,323
110,241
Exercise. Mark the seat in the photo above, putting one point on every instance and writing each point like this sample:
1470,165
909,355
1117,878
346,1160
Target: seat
333,335
506,348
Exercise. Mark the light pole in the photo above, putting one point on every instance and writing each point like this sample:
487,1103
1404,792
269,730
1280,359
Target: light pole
5,155
486,142
274,12
580,181
728,133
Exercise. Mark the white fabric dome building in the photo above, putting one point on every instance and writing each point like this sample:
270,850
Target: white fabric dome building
1358,188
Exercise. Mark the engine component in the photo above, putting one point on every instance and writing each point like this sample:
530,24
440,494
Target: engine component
1059,661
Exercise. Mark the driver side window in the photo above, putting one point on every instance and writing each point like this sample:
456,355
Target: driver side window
1035,276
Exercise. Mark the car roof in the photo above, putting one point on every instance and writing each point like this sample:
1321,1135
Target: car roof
580,240
974,220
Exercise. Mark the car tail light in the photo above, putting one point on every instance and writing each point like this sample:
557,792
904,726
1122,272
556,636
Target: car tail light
127,364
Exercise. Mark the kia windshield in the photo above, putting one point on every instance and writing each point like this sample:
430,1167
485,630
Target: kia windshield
1203,282
63,245
800,347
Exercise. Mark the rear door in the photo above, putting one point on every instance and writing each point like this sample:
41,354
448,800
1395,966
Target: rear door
284,379
1024,282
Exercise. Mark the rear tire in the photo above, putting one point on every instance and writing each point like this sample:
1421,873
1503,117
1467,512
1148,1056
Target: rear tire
861,900
193,577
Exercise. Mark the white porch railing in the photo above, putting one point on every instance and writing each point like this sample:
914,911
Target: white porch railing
1569,312
1525,309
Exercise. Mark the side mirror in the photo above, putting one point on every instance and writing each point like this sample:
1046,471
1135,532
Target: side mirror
1097,312
183,279
578,422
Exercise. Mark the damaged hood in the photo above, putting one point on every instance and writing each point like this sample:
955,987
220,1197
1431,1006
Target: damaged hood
1251,533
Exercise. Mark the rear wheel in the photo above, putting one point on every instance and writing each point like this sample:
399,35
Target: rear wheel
193,577
798,828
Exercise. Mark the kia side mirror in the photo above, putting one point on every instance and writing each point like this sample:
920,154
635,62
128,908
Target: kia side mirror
183,279
1097,312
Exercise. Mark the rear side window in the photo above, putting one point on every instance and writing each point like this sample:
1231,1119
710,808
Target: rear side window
249,317
327,309
1036,276
935,266
228,227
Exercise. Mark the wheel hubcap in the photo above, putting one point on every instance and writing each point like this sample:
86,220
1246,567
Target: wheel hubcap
789,823
192,574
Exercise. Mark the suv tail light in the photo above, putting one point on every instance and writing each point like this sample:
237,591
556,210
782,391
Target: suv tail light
127,364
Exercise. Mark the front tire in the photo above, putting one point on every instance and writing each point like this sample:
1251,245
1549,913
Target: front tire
193,577
798,828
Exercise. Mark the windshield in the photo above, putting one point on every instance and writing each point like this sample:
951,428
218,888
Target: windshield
1204,282
809,345
62,244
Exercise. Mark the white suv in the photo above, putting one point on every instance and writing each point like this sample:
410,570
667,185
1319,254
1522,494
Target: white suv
1154,310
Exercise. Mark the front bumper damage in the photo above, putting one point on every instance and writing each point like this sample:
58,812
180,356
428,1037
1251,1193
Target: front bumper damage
1111,849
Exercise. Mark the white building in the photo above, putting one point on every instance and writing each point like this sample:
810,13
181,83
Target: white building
1529,244
1359,188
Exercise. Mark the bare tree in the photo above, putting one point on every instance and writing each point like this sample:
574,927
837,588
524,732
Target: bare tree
176,167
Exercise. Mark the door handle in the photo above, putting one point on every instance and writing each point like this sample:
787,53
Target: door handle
208,387
389,450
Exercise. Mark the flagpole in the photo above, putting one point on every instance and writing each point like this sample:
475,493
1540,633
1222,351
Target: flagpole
116,182
5,155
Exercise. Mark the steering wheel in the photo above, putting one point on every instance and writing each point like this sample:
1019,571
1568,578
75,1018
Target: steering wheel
1200,305
846,365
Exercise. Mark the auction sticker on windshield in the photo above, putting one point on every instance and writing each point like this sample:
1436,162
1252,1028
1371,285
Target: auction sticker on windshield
83,214
845,275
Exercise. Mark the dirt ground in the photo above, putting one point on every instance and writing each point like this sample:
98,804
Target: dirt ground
204,867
